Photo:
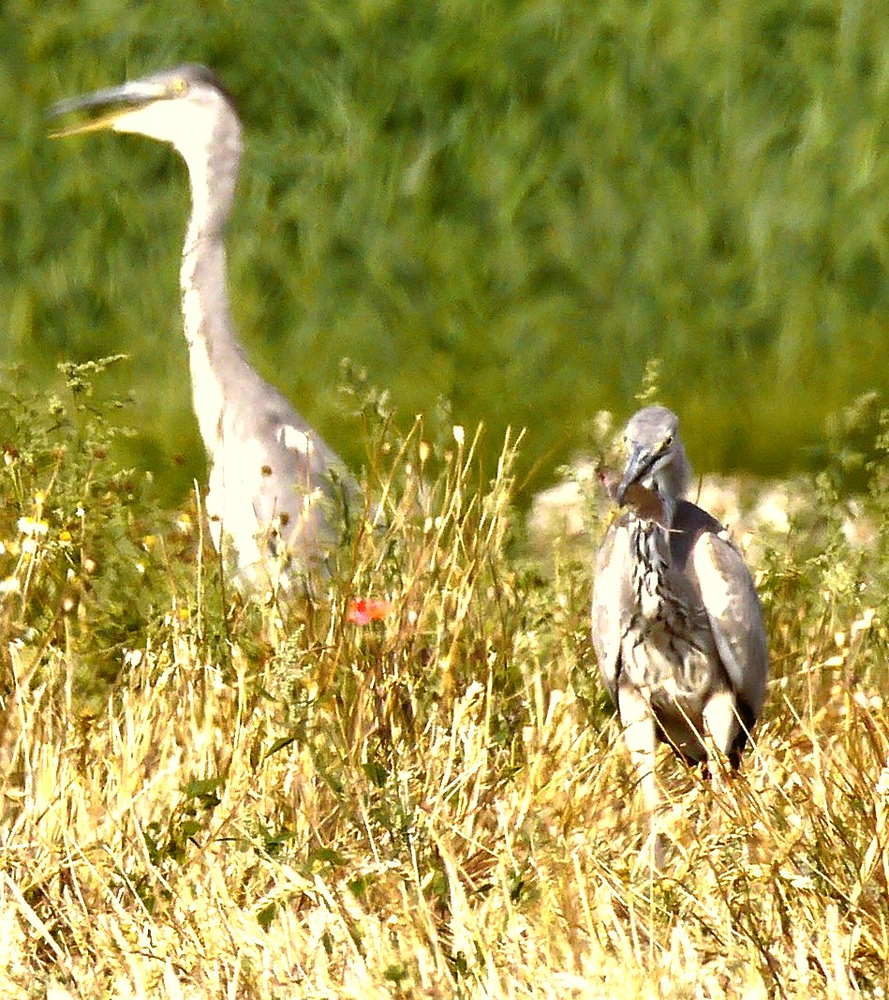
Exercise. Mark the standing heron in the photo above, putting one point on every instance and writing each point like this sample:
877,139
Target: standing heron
676,621
272,489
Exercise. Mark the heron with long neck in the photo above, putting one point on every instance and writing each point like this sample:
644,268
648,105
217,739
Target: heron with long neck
272,482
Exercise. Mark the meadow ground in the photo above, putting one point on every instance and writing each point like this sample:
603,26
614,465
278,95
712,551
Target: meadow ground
206,797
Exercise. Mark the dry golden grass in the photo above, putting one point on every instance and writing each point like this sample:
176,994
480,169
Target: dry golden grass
433,805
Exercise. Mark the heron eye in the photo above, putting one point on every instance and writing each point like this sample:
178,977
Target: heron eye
668,440
180,86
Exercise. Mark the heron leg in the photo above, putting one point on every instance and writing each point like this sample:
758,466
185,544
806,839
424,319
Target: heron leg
640,736
720,731
720,726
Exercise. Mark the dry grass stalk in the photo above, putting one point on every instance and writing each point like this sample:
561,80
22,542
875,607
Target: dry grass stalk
434,804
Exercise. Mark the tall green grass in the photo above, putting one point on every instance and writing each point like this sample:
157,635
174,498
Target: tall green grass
511,206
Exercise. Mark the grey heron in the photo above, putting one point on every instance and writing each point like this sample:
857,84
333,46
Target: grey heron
677,625
272,479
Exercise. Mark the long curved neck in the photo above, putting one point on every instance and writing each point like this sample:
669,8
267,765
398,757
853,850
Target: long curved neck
216,357
651,559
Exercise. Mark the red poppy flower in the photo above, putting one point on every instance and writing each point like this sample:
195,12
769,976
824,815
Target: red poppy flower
367,609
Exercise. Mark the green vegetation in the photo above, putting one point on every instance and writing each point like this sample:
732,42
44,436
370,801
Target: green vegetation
210,797
502,212
511,206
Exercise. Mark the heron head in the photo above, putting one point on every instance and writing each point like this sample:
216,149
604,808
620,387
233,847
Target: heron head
182,106
656,457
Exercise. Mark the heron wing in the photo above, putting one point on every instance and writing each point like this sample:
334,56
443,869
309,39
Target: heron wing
611,586
735,614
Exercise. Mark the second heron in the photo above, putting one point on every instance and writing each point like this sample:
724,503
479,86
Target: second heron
273,481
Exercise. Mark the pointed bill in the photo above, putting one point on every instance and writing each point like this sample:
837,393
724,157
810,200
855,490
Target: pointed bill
107,105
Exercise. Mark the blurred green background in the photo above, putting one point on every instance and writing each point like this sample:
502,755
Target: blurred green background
509,205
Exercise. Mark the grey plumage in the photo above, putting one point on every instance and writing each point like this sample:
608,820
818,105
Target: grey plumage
676,622
272,481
